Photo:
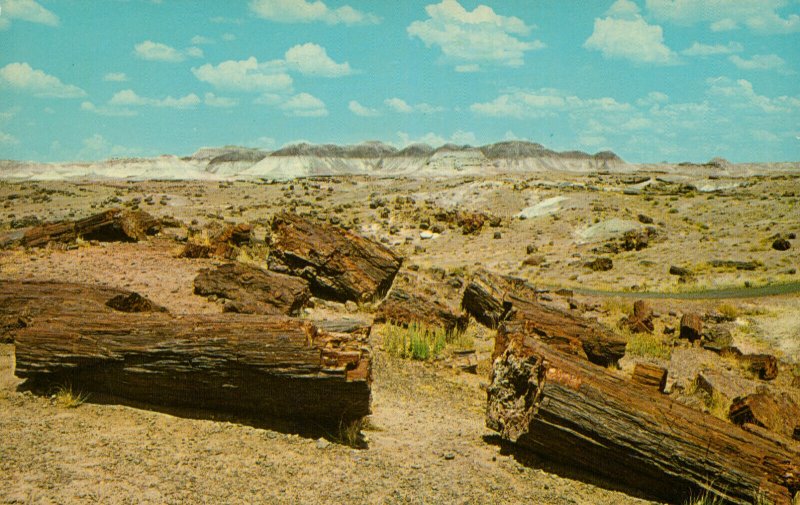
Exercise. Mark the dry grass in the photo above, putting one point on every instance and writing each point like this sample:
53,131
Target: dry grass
65,397
648,345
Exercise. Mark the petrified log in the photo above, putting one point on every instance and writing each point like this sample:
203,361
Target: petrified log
242,363
20,302
486,297
252,290
691,327
569,333
339,265
778,412
222,244
765,366
110,225
405,308
650,375
582,415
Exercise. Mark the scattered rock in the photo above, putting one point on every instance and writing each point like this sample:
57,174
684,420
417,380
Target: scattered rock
738,265
717,339
600,264
534,260
680,271
691,327
645,219
781,244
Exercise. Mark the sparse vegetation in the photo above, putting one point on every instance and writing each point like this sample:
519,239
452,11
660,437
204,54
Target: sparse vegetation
415,341
728,311
705,498
349,432
65,397
648,345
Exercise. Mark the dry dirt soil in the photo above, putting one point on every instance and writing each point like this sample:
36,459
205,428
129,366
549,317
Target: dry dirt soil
426,441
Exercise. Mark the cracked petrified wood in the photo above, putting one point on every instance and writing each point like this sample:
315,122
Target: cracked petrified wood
246,364
252,290
487,296
338,265
109,225
571,411
21,302
404,308
562,330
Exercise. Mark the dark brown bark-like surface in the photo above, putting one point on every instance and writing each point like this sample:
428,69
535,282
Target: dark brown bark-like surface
487,296
562,330
691,327
568,410
256,365
765,366
778,412
339,265
650,375
21,302
224,243
252,290
402,307
110,225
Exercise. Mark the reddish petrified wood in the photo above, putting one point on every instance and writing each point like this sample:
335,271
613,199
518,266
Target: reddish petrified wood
404,308
778,412
110,225
258,365
650,375
338,265
569,410
252,290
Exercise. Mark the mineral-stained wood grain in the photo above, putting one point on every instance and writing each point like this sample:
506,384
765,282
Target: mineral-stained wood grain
109,225
566,409
339,265
562,330
487,296
256,365
402,307
21,302
252,290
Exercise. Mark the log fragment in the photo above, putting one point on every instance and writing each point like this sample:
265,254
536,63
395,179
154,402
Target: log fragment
562,330
650,375
252,290
778,412
20,302
571,411
765,366
691,327
223,244
486,297
338,265
401,307
259,365
109,225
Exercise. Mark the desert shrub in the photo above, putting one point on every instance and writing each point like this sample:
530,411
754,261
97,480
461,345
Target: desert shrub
415,341
648,346
66,398
728,311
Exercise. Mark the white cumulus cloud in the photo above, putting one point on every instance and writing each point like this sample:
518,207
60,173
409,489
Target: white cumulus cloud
156,51
115,77
302,11
8,139
213,100
761,62
103,110
475,37
400,105
698,49
25,10
130,97
21,77
312,59
246,75
625,34
361,110
761,16
544,102
304,105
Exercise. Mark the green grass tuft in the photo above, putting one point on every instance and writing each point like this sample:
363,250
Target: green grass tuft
648,346
66,398
416,341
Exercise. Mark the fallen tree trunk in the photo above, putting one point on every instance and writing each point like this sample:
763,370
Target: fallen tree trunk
571,411
405,308
338,265
251,290
562,330
21,302
775,411
273,366
486,297
109,225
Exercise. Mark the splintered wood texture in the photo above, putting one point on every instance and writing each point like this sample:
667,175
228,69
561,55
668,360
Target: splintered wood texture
20,301
401,307
114,224
577,413
650,375
338,264
269,365
562,330
487,296
252,290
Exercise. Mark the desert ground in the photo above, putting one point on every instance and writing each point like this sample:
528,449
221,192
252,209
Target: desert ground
426,440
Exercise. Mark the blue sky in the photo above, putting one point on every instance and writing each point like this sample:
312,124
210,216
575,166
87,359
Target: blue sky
652,80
